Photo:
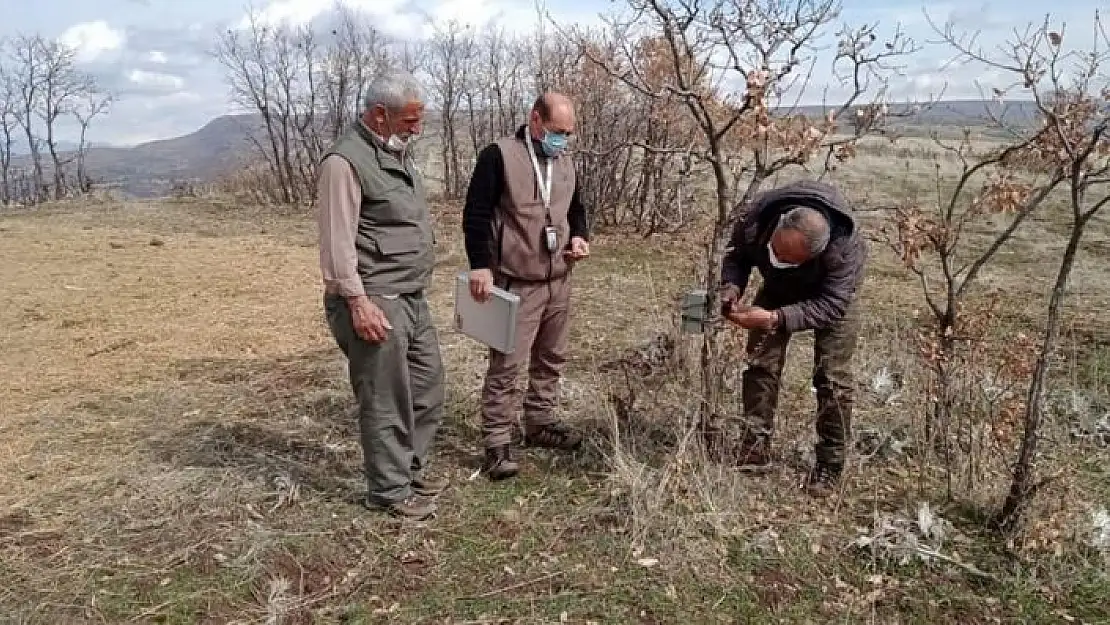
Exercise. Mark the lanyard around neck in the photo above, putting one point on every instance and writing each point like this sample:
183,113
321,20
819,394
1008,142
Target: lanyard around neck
544,184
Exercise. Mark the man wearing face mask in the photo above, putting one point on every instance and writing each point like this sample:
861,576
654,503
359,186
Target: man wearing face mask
376,257
525,227
811,255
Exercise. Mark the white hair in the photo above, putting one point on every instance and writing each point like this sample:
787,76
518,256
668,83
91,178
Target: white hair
811,223
393,90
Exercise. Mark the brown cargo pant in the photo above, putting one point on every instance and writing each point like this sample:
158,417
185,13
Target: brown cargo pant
399,385
832,377
541,339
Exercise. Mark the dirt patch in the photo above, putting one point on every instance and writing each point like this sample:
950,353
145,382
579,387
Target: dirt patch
14,522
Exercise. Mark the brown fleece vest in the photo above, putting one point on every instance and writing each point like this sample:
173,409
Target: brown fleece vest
519,220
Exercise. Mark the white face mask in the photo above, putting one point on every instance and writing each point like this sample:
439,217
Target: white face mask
775,262
397,144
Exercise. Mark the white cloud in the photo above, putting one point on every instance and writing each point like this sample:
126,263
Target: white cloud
91,40
408,20
157,56
473,12
298,12
293,12
156,80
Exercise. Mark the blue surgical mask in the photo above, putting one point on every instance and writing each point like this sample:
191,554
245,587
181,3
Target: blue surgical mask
553,143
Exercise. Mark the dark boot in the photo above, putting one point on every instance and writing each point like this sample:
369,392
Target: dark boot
754,455
747,452
428,486
499,464
824,479
415,508
553,436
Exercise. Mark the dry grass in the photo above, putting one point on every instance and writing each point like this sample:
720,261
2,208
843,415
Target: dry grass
178,447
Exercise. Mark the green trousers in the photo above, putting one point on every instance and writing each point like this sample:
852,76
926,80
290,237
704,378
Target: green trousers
399,385
834,349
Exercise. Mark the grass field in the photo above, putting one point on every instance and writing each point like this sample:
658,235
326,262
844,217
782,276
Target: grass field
178,446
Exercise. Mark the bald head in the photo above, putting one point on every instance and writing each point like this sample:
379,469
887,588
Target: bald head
552,112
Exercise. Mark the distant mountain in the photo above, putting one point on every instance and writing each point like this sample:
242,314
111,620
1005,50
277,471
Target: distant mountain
151,169
950,116
19,148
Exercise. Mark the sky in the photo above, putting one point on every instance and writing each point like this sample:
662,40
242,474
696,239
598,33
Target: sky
155,54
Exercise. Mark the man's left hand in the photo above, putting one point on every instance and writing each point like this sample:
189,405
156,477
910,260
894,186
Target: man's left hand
579,249
754,318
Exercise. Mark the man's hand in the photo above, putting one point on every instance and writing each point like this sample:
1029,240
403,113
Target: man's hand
481,282
754,318
579,249
370,322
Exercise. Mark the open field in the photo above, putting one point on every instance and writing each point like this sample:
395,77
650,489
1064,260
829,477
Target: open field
178,447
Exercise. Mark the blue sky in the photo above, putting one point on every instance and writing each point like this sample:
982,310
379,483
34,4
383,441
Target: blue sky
154,53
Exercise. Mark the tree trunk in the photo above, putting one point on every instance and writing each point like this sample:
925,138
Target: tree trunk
36,157
938,423
5,165
275,151
59,172
83,184
722,232
448,166
1022,486
456,180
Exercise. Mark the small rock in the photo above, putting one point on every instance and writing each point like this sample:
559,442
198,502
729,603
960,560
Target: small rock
115,245
157,242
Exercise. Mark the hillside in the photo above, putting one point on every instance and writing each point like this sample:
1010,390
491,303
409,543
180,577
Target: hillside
151,169
975,113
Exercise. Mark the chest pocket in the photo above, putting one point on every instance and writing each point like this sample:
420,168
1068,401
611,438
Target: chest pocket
395,199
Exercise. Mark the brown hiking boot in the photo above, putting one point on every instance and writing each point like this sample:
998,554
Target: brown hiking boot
499,463
415,508
823,480
553,436
754,456
428,486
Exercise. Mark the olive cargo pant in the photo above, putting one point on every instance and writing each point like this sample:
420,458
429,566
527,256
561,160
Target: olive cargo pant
541,339
832,377
399,385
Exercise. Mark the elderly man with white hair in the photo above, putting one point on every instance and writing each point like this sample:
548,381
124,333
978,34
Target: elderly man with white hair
376,259
811,255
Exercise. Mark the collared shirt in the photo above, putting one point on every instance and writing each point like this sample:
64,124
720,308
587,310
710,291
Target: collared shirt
339,201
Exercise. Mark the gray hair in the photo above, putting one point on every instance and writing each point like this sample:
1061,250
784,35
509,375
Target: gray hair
393,90
811,223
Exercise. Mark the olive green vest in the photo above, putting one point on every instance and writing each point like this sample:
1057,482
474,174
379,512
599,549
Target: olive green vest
395,242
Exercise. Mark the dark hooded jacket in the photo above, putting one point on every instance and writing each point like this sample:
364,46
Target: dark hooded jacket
816,294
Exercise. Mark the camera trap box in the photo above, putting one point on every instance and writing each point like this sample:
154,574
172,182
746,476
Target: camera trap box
694,311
